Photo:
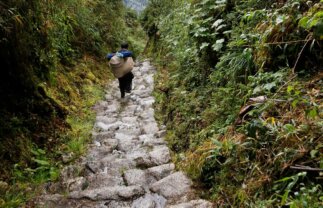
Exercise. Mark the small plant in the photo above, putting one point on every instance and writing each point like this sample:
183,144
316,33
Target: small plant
43,169
294,194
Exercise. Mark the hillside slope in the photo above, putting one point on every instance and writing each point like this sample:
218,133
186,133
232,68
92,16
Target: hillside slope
240,91
53,70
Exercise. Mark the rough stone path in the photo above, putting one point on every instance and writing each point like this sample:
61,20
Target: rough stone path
128,164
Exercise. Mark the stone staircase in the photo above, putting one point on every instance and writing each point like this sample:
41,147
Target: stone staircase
128,164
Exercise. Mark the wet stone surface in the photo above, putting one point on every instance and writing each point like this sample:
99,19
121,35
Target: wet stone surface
128,164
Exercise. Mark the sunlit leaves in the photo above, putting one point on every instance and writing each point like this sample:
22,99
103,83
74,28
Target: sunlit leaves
218,45
204,45
217,23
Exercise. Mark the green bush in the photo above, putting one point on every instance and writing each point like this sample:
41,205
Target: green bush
214,56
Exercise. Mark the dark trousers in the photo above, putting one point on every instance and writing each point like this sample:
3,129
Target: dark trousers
125,83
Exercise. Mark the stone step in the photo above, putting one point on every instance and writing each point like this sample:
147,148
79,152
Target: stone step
109,193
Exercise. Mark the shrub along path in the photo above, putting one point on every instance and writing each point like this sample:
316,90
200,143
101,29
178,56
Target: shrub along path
128,163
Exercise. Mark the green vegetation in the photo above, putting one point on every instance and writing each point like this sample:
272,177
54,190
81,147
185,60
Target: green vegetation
53,70
239,89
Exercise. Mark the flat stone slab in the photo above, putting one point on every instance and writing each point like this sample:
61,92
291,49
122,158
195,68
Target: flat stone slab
102,180
151,141
194,204
135,177
150,201
130,131
102,136
113,143
150,128
108,127
106,120
141,158
117,204
109,193
162,171
117,166
160,155
130,120
173,186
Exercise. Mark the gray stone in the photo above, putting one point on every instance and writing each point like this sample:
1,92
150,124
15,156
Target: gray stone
109,97
135,177
113,108
92,166
160,155
147,102
131,192
149,79
109,193
102,180
123,137
140,87
147,114
108,127
129,110
161,171
141,158
194,204
129,129
50,200
118,165
135,131
129,120
117,204
106,120
96,143
100,152
76,184
126,143
139,110
103,135
173,186
113,143
150,201
151,141
102,126
150,127
142,93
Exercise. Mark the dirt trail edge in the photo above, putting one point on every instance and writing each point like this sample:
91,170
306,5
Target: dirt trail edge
128,163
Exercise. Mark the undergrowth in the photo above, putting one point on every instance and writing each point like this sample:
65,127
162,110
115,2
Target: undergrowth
72,141
53,71
239,89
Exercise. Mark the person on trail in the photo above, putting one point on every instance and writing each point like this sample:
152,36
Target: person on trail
125,81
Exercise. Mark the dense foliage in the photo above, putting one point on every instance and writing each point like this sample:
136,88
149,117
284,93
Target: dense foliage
239,90
52,66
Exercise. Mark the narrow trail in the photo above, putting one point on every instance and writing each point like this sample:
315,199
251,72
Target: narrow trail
128,163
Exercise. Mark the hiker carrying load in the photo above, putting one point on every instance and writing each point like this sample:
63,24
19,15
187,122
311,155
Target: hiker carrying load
121,64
